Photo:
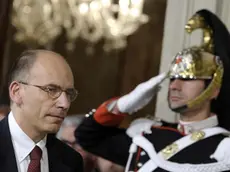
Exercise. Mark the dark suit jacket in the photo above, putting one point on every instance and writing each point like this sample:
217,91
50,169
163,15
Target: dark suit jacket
61,157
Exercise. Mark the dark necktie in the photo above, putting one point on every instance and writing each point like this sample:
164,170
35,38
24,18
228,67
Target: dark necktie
35,157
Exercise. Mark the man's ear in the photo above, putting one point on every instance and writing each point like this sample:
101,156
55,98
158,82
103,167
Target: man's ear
14,92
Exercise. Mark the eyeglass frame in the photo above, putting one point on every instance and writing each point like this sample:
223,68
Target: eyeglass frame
46,89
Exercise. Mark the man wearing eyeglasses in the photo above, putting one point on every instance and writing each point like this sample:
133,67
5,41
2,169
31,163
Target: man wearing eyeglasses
41,89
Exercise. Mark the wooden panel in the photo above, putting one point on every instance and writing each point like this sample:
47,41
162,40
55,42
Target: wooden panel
95,75
5,8
144,52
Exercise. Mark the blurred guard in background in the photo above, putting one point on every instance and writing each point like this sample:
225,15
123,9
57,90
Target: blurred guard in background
92,163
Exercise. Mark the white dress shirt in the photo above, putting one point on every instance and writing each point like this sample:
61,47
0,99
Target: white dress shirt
23,145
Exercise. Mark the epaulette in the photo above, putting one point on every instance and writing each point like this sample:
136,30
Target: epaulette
142,126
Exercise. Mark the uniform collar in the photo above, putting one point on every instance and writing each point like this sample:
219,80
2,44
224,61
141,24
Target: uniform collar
189,127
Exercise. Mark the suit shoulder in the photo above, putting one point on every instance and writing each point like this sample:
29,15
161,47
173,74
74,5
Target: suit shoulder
144,125
71,157
67,149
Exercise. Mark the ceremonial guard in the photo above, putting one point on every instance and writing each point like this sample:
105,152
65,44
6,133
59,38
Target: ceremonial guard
199,91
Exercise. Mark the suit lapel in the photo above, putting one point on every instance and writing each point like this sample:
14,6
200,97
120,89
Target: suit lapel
54,156
7,156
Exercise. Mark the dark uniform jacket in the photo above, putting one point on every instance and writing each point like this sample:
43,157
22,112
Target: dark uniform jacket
113,143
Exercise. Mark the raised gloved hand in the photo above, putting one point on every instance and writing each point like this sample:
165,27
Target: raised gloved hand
141,95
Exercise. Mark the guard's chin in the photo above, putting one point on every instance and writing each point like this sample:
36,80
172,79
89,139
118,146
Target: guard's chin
173,106
178,109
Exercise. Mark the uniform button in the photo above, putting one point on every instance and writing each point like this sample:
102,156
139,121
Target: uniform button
139,164
94,110
143,153
90,113
87,115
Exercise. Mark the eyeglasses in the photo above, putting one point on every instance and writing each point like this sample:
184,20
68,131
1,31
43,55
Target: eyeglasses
55,91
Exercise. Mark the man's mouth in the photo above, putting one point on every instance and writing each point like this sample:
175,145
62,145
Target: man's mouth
175,98
58,117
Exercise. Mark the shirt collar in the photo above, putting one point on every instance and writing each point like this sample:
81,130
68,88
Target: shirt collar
189,127
23,144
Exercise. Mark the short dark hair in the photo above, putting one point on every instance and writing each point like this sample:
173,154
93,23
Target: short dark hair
21,68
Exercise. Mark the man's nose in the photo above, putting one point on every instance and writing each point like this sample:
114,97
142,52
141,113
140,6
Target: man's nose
175,84
63,101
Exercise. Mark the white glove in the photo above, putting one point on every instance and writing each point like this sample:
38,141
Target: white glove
141,95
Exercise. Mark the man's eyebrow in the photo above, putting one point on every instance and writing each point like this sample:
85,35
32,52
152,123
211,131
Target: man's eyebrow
53,85
58,86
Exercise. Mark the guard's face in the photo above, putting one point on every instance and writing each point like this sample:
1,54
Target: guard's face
44,113
180,92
